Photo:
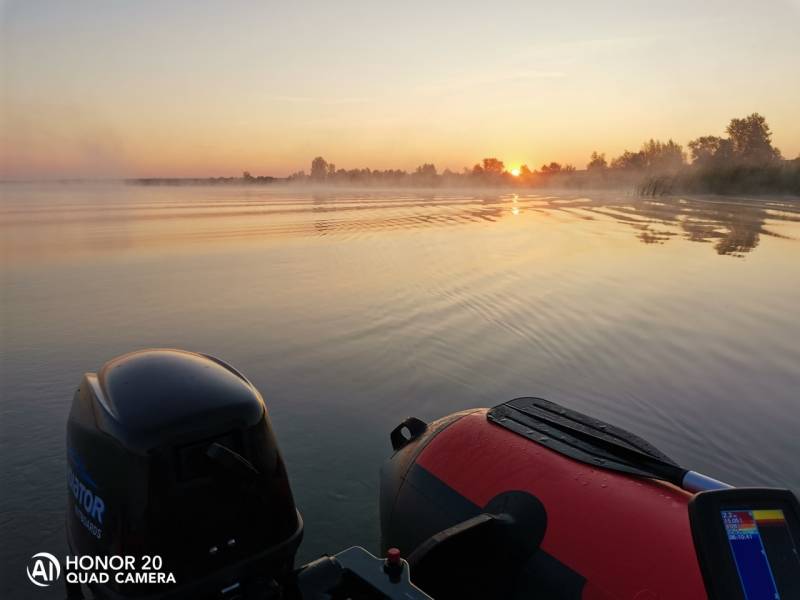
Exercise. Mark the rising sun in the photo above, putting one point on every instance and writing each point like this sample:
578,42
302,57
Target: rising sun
515,172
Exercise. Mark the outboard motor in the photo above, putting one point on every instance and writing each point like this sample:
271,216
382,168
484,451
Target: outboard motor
172,453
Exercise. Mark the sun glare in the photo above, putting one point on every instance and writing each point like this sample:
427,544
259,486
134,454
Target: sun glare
515,172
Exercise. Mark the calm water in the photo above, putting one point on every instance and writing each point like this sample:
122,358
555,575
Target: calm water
676,318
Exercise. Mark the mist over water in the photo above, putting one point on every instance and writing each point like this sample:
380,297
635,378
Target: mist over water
674,317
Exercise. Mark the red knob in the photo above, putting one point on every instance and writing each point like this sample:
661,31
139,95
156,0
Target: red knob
393,556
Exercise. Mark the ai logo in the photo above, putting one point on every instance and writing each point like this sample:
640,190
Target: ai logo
46,569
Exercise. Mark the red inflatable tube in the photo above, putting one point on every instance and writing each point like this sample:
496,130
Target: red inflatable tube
629,537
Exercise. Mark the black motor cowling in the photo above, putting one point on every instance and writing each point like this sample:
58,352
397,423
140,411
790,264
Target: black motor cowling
172,453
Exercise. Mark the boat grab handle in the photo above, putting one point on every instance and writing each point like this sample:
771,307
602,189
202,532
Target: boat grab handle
407,432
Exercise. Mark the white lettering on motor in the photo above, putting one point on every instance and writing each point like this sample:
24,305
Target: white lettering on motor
93,504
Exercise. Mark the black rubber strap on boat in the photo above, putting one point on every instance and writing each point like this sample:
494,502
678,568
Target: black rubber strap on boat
585,439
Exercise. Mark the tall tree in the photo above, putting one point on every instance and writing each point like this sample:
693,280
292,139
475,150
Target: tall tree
597,162
550,169
629,160
710,149
319,169
493,166
655,155
662,156
427,170
751,140
426,174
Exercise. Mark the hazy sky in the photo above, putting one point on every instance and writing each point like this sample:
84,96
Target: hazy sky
181,88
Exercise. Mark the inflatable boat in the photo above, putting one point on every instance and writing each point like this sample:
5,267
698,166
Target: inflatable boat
173,462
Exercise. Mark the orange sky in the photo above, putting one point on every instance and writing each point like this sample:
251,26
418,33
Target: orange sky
94,88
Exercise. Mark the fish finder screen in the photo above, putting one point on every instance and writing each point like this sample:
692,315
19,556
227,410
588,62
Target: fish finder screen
765,554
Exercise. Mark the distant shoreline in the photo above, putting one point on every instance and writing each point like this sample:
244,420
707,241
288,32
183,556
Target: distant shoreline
285,184
744,163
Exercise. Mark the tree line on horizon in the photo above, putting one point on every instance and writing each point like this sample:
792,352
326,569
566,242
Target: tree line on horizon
744,161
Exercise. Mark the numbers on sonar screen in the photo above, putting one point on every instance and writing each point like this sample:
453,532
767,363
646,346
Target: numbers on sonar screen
152,563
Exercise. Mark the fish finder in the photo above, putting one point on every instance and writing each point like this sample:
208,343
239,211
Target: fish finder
748,543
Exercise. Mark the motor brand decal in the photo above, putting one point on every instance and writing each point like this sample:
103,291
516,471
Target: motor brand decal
88,505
